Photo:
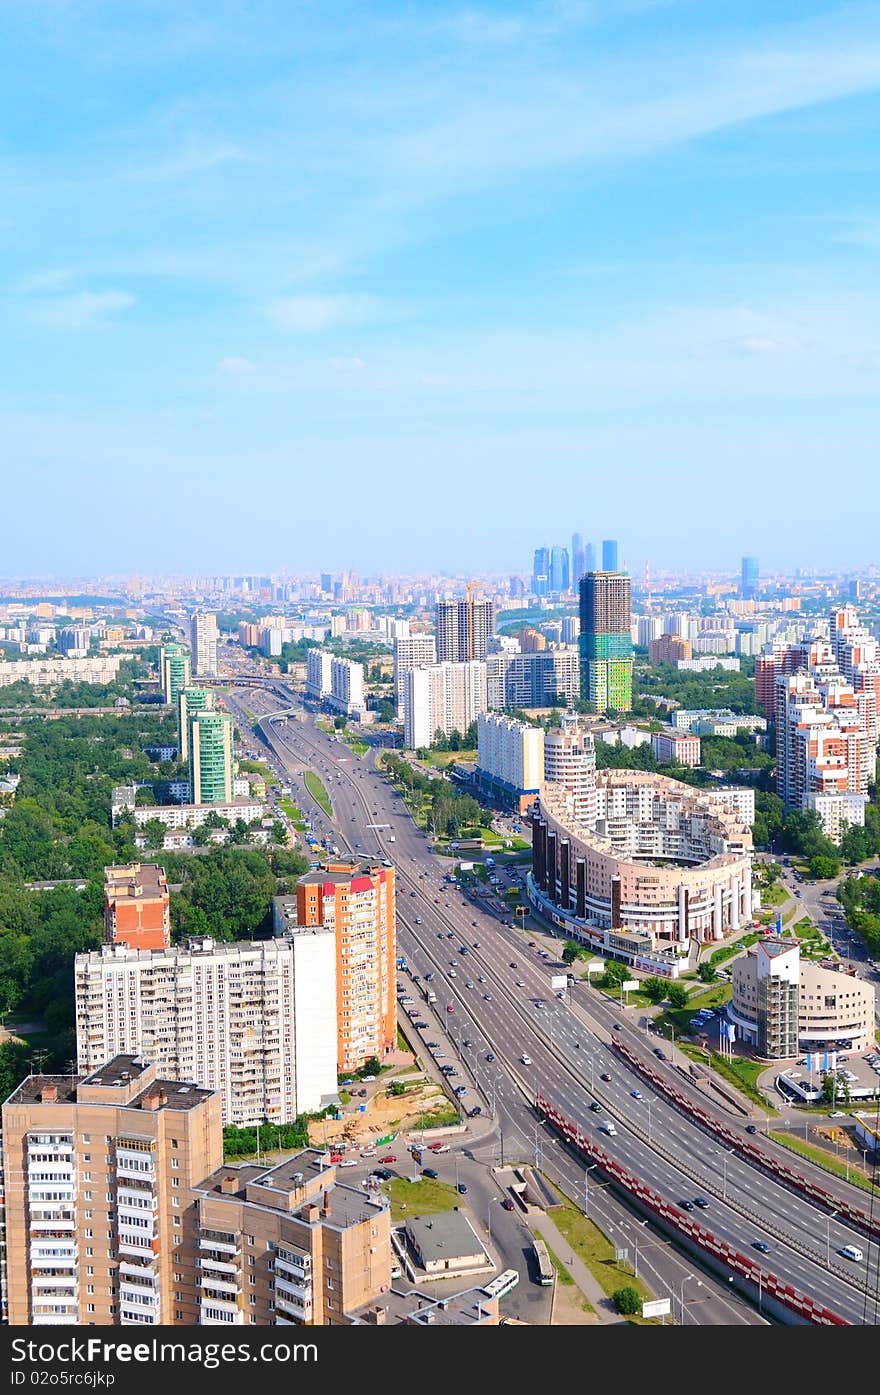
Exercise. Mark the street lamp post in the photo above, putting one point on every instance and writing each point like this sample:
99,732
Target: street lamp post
587,1171
725,1155
681,1296
829,1218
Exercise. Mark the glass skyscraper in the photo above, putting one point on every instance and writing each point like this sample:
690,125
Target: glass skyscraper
609,555
605,641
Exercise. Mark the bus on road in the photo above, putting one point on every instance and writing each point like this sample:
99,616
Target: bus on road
546,1272
502,1285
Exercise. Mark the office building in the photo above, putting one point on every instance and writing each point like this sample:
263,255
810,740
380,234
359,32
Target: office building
204,635
541,572
347,686
681,747
137,906
668,649
578,555
783,1005
463,629
98,1172
174,664
748,584
570,765
189,701
559,574
415,651
356,900
253,1020
606,648
589,559
609,555
210,757
446,697
318,673
510,760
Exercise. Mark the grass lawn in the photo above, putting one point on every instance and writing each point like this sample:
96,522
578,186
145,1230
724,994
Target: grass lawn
773,895
738,1071
679,1018
728,951
562,1273
596,1251
443,1117
315,787
288,807
823,1159
441,759
425,1198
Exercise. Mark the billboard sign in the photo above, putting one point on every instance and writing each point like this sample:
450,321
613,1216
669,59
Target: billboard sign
656,1307
629,985
558,981
465,867
596,966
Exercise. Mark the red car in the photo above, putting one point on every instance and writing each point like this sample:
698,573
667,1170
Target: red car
450,1007
507,1204
434,1146
389,1157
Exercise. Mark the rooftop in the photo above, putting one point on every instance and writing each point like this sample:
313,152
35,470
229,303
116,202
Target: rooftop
141,880
446,1235
118,1074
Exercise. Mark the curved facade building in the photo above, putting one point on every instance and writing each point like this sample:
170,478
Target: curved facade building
662,860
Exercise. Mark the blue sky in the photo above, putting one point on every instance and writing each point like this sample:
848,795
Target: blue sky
402,286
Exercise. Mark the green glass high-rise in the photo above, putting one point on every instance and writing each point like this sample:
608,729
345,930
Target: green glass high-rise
605,641
190,700
175,671
210,757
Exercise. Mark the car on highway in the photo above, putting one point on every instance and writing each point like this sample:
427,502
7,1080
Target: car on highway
519,983
526,1060
661,1055
439,934
429,976
476,942
686,1205
461,1188
487,997
604,1075
461,1090
481,978
432,1045
453,974
450,1007
513,964
701,1202
751,1128
636,1094
418,920
420,1025
762,1246
595,1106
469,984
539,1002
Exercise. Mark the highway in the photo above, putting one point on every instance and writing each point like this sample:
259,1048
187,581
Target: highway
568,1047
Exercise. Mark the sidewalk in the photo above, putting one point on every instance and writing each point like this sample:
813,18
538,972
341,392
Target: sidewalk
589,1287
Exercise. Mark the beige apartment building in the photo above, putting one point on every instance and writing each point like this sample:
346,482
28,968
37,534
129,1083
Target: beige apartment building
289,1244
783,1005
99,1172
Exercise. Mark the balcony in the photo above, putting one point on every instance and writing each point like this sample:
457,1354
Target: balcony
218,1266
221,1283
221,1241
293,1307
290,1259
301,1293
139,1271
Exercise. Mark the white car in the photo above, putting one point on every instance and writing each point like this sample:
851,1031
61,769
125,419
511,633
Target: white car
348,1162
526,1060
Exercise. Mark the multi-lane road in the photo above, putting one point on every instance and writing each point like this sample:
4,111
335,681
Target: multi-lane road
568,1046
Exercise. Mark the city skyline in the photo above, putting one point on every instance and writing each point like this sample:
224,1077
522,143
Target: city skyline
438,256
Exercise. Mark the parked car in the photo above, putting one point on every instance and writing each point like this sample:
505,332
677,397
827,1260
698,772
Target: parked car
507,1204
462,1188
430,1172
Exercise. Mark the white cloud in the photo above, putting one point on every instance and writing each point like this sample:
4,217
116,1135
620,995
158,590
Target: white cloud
312,314
81,309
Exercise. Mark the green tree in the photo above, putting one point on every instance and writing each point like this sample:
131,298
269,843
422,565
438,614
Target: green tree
615,973
677,995
154,831
571,951
627,1300
824,867
707,972
371,1066
654,988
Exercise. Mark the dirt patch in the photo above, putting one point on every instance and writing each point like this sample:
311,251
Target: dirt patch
384,1113
569,1309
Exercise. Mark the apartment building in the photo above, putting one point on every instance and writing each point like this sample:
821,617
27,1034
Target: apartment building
411,651
510,760
175,671
210,757
825,755
189,701
356,901
181,815
137,906
668,649
545,678
463,629
347,686
605,639
100,1221
858,657
255,1021
680,746
570,763
318,663
289,1244
446,697
47,673
715,721
204,635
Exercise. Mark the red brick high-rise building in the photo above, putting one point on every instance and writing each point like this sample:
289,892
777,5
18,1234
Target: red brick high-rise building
137,907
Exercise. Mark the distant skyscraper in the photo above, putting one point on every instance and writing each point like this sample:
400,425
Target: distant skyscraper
609,555
327,583
190,700
606,640
559,569
577,559
463,630
541,571
204,645
748,586
589,559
